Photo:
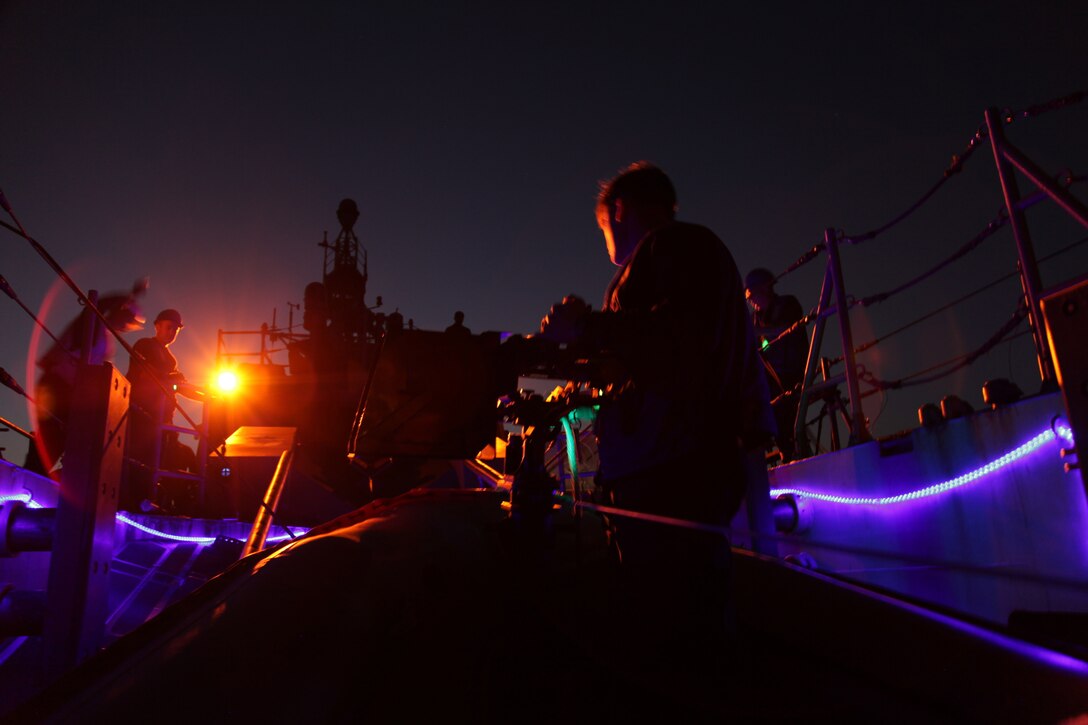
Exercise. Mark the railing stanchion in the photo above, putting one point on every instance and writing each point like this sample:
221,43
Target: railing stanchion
859,432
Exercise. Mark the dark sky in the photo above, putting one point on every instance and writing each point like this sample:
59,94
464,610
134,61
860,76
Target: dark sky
208,147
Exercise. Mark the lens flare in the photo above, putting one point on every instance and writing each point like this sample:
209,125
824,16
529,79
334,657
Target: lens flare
227,381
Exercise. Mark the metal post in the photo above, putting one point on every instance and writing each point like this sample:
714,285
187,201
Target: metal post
79,567
858,430
264,350
264,442
811,366
832,405
1029,269
159,414
202,453
263,520
90,323
1069,203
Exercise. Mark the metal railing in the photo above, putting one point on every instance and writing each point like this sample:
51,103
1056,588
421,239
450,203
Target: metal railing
834,299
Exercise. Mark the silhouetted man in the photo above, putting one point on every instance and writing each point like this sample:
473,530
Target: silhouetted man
156,380
688,397
772,315
458,326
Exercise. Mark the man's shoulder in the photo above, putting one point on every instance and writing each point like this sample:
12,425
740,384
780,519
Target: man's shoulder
790,306
146,344
686,231
683,238
690,245
150,348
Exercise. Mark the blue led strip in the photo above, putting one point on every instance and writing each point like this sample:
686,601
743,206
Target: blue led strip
1012,456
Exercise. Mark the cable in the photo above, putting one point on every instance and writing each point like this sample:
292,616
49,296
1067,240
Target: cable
970,246
6,287
958,160
1041,108
953,168
957,362
83,299
989,285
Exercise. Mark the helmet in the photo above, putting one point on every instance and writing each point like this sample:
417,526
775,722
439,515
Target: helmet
172,315
759,277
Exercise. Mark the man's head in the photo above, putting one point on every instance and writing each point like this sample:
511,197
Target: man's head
458,317
759,288
638,200
167,324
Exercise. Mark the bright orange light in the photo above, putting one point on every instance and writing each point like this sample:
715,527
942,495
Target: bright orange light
227,381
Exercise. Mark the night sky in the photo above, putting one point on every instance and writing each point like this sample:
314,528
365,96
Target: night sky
208,149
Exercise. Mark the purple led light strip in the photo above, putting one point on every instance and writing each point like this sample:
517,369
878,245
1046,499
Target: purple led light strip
201,539
1064,432
290,532
24,497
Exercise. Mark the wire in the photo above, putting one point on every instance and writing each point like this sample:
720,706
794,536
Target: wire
970,246
1041,108
958,160
999,221
954,167
83,299
977,291
958,362
7,289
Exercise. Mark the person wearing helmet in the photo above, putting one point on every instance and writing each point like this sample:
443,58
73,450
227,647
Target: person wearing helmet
60,364
155,380
784,360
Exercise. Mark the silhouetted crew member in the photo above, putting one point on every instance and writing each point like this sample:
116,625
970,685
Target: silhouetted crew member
160,365
59,365
458,326
773,314
154,406
687,399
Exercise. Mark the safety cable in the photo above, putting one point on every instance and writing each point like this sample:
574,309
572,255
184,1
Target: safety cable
1041,108
989,285
6,287
980,136
970,246
958,362
83,299
997,223
966,248
990,229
